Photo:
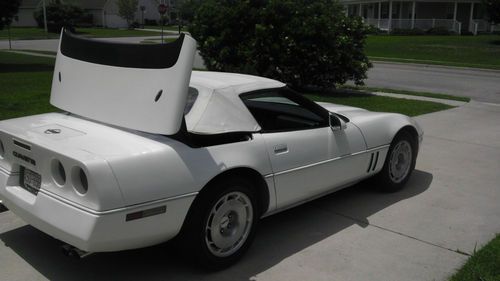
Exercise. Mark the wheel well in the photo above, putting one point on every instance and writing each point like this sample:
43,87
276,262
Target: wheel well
258,182
412,131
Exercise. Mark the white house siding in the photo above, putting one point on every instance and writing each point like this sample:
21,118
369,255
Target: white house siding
25,17
458,16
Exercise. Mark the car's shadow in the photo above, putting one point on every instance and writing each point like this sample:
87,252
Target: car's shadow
279,237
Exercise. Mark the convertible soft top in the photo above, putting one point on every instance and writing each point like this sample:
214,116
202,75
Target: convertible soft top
136,86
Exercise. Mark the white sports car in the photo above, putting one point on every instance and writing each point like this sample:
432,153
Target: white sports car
147,150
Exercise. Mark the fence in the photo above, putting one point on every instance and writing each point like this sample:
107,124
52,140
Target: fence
423,24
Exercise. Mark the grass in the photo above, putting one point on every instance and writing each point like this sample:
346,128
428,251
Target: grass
158,41
380,103
484,265
26,82
404,92
482,51
50,53
167,27
26,33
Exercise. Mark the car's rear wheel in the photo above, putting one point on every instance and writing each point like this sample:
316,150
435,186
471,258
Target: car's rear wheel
399,163
222,223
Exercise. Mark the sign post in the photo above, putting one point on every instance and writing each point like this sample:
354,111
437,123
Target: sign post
143,8
162,9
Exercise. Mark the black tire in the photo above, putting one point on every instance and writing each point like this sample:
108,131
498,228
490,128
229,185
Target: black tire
385,180
195,235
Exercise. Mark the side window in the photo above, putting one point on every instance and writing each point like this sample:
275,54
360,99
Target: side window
282,110
191,98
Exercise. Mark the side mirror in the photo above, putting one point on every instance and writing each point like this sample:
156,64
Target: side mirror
337,123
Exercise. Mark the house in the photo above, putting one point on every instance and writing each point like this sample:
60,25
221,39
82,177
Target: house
458,16
103,12
25,15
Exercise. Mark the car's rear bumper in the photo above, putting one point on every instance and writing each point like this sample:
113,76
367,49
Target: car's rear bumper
90,230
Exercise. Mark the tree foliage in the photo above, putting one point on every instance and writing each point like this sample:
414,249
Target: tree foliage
59,15
299,42
127,9
492,8
8,9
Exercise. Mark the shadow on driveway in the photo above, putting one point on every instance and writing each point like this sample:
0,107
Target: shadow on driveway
279,236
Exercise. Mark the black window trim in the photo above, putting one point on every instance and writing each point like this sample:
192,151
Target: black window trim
297,98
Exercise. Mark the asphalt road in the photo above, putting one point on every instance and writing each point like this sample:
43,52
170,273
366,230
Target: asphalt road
424,232
480,85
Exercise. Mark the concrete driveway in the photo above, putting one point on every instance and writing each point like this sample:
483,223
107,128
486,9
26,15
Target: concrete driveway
424,232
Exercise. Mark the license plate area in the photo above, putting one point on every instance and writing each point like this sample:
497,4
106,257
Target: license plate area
31,181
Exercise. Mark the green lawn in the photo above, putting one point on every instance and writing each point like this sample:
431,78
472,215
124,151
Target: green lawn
384,104
484,265
25,85
26,82
404,92
26,33
482,51
167,27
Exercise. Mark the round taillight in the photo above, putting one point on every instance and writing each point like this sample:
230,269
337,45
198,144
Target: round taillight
2,149
58,172
80,181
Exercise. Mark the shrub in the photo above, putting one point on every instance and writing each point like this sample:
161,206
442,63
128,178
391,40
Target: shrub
150,22
59,15
407,31
8,9
373,30
439,30
298,42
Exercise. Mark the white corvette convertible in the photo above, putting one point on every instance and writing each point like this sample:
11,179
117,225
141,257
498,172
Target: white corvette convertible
147,150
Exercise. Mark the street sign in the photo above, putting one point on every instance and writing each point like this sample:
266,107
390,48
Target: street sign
162,9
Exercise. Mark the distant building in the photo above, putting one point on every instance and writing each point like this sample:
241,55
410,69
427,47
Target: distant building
458,16
25,15
103,12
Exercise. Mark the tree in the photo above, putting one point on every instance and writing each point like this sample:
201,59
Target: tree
492,8
59,15
188,8
300,42
8,9
127,9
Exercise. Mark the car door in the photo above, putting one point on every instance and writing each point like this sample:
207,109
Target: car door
305,153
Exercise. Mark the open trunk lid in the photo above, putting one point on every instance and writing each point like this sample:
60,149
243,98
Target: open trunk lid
136,86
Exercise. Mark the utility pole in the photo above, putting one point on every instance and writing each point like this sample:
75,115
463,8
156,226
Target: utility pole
45,18
8,30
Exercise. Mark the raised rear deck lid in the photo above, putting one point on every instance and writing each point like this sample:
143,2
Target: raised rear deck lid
136,86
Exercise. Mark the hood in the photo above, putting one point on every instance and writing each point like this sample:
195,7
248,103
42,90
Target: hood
135,86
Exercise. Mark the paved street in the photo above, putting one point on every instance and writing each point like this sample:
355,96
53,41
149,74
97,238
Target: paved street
480,85
424,232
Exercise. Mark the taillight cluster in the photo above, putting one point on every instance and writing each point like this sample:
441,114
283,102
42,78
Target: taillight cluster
2,150
77,176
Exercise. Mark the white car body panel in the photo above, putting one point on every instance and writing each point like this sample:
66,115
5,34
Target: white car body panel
88,89
138,168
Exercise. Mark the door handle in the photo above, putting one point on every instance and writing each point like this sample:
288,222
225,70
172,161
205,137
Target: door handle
280,148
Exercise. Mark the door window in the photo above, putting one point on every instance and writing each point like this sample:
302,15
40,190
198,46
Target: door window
283,110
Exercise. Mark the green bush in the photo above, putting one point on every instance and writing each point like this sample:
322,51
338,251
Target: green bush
407,31
439,30
59,15
303,43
